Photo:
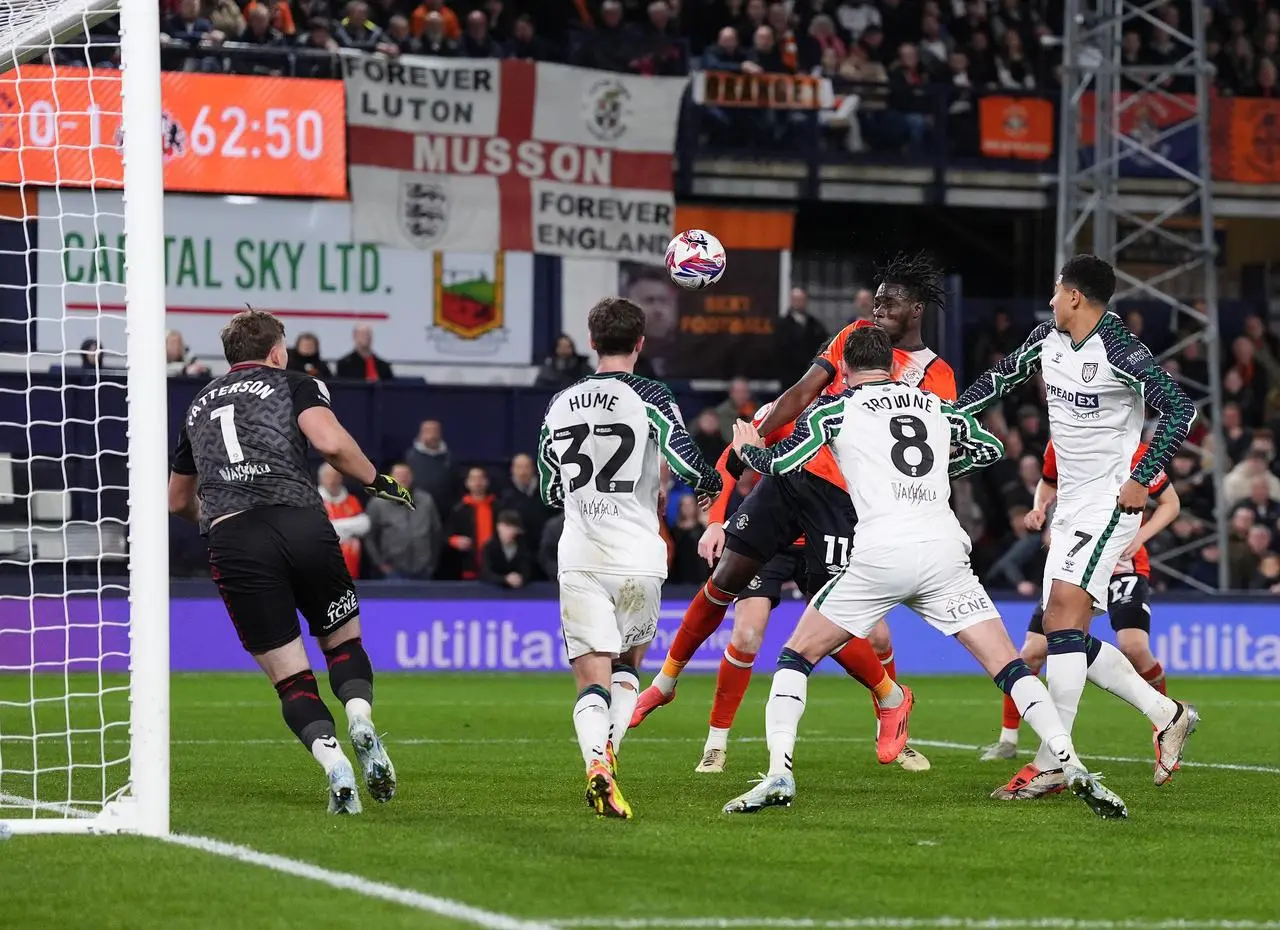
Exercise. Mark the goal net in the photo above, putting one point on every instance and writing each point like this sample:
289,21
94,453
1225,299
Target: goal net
83,523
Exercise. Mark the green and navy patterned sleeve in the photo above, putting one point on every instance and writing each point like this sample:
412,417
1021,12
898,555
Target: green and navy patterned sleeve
667,428
1133,364
1014,369
815,428
550,486
973,446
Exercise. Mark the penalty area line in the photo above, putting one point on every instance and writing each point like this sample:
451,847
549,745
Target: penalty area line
909,923
343,881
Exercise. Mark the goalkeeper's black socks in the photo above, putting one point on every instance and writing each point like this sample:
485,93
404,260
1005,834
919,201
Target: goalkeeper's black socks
351,676
304,711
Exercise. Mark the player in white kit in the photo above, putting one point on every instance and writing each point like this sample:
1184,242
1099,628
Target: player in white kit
599,457
1099,380
893,444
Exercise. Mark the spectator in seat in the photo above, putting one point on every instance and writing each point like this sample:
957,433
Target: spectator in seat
1238,437
1013,70
727,54
549,546
178,360
91,355
522,496
755,15
798,338
687,567
982,62
227,19
434,41
346,514
449,20
935,46
1023,558
1022,492
505,560
476,41
1239,481
730,125
764,52
318,37
822,31
563,367
1016,16
1237,68
360,364
525,43
356,29
433,467
405,543
863,299
282,18
258,29
1266,509
499,19
187,25
661,54
471,523
961,115
1255,330
706,434
907,81
396,40
305,355
974,20
611,46
798,53
855,16
739,405
1267,577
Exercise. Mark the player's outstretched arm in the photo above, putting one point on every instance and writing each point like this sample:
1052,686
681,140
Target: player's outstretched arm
797,398
974,447
815,427
338,447
680,452
550,487
1015,368
1166,397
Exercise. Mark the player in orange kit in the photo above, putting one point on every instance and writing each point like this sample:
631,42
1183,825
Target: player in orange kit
1129,606
814,501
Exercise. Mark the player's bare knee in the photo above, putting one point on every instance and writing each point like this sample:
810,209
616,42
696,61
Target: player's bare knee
734,571
1035,649
348,631
1136,646
879,638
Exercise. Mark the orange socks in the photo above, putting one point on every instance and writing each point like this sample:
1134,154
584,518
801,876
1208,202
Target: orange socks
1011,719
858,659
1154,676
886,659
702,618
731,686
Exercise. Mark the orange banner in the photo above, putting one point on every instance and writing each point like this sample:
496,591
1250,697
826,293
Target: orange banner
775,91
221,134
1016,127
1246,140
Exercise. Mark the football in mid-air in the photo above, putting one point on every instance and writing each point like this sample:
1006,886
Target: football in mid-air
695,259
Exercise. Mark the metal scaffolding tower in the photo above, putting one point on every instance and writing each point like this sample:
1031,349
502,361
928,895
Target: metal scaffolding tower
1100,206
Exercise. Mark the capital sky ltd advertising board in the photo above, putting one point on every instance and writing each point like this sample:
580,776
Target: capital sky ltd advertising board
523,635
481,155
298,259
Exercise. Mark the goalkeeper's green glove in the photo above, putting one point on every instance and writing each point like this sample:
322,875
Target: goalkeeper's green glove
389,489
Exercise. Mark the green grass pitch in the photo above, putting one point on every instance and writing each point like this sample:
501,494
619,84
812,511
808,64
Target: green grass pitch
490,813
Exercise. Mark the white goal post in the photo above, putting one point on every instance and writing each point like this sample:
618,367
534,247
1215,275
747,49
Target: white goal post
84,659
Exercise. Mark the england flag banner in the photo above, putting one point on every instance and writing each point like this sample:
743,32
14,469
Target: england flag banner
487,155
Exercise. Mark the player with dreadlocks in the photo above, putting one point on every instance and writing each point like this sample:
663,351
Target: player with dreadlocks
814,502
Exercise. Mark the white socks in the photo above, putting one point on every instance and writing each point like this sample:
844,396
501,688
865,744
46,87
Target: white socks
591,722
1038,710
1111,671
782,717
894,698
716,739
359,707
327,752
624,691
664,683
1067,673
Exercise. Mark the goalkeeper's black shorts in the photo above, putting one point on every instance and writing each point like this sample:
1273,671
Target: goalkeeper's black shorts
270,563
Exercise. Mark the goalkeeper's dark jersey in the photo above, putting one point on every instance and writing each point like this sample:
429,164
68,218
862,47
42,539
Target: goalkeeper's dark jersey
241,438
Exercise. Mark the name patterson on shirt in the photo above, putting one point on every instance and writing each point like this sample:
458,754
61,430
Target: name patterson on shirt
1079,398
259,389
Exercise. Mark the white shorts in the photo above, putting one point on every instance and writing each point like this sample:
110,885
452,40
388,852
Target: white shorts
1086,541
608,613
935,581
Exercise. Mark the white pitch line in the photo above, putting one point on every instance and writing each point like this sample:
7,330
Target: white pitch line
546,740
908,923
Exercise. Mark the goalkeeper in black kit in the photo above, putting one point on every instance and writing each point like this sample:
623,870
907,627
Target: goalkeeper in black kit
240,470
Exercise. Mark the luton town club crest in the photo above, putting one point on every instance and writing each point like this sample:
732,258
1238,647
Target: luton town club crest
468,319
1088,371
607,105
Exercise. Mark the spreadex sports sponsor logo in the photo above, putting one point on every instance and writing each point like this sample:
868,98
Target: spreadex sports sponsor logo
1079,398
1212,647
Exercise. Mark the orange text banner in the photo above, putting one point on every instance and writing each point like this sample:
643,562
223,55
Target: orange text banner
775,91
221,134
1016,127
